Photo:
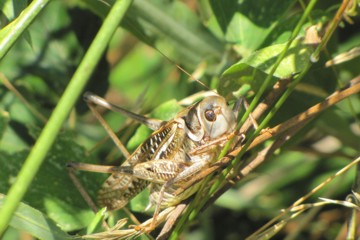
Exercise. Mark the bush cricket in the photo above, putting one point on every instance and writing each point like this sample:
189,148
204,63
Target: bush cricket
176,151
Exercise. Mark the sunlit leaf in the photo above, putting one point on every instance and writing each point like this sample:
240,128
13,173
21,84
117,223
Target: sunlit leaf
36,223
243,22
254,68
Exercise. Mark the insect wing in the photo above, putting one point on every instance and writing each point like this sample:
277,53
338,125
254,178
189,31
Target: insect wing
120,187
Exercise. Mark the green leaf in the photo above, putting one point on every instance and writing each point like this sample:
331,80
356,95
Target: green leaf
14,30
282,166
248,23
100,8
11,9
182,29
96,221
53,44
34,222
330,121
52,191
140,201
4,119
171,27
254,68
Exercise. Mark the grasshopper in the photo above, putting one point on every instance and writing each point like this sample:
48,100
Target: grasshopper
176,151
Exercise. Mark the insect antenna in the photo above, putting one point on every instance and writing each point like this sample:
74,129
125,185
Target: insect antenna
184,71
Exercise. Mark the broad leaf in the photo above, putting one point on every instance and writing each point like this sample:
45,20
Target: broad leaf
254,68
34,222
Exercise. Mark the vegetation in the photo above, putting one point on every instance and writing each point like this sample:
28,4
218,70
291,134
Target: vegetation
53,51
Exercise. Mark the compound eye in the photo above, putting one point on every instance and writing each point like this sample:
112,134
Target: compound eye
210,115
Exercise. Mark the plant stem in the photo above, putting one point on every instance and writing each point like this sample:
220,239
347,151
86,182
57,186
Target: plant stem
13,31
62,110
191,212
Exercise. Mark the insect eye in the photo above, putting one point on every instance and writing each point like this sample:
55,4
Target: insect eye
210,115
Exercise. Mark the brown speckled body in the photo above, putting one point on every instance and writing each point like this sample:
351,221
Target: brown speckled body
169,155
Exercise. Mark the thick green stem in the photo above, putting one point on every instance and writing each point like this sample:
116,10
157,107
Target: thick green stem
61,112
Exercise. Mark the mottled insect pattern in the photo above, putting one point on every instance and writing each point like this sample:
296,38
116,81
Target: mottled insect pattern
171,155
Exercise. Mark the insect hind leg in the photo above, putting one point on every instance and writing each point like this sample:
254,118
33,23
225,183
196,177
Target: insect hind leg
182,176
81,188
